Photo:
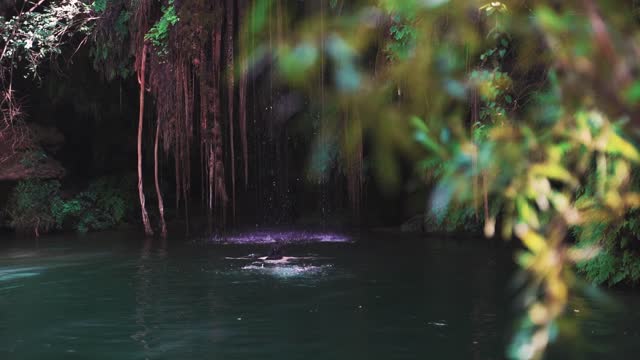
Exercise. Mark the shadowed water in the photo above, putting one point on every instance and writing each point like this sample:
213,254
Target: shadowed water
113,296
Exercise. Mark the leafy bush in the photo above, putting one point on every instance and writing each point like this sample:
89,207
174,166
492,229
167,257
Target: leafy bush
104,204
99,6
29,205
33,36
618,261
159,32
403,35
456,219
40,206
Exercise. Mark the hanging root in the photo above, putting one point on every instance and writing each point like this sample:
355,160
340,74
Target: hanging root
141,81
230,97
163,225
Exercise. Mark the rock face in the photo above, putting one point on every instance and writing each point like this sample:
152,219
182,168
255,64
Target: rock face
25,153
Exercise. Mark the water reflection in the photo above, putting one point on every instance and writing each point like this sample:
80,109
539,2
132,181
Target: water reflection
149,282
143,293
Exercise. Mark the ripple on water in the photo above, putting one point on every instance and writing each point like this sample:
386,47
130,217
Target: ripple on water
19,273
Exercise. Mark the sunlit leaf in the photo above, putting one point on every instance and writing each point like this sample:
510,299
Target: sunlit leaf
527,213
554,171
619,146
532,240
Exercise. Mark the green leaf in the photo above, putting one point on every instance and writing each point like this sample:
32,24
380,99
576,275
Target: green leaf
554,172
527,213
617,145
632,93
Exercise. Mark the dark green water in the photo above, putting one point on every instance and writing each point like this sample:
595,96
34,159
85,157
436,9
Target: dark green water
114,296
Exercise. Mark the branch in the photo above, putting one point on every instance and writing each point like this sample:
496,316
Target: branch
36,5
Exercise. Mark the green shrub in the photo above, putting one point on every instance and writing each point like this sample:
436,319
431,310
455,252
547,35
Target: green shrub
158,35
618,261
39,205
29,205
105,204
456,219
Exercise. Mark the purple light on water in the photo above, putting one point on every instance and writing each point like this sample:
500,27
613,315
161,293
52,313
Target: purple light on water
271,237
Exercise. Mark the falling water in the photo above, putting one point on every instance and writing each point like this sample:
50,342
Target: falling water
197,82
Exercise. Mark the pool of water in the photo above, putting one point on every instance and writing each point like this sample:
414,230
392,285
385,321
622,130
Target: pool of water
337,296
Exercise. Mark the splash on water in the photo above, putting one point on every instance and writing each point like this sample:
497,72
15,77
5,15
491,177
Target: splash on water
437,323
283,266
289,271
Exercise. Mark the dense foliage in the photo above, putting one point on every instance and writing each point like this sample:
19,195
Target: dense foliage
618,261
158,34
31,37
29,206
40,205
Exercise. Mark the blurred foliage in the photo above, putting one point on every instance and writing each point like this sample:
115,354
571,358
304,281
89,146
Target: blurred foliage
618,261
403,35
510,110
40,205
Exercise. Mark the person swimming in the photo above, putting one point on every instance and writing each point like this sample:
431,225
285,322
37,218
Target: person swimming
275,253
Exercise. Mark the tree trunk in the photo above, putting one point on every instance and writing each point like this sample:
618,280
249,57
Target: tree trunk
230,96
163,225
485,197
141,81
242,106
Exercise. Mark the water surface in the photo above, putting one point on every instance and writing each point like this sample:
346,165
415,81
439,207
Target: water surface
343,296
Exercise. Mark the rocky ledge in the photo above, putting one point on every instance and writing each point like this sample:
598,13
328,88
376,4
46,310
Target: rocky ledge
25,153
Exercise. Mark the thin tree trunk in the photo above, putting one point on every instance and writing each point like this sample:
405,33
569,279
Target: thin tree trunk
230,96
163,225
476,179
242,106
485,196
141,81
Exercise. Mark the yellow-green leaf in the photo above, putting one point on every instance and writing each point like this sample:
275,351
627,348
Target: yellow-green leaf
554,172
531,239
527,212
618,145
